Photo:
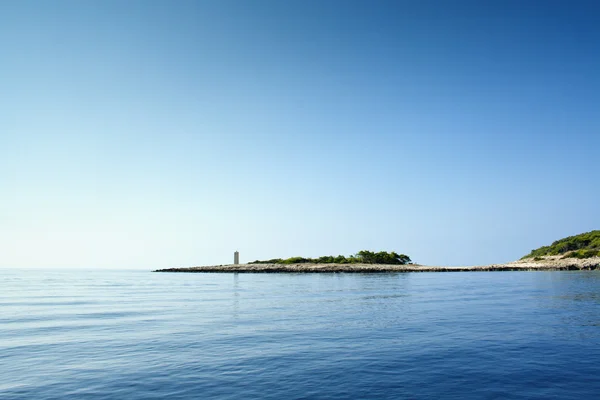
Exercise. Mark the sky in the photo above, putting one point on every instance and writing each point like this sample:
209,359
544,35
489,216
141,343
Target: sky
151,134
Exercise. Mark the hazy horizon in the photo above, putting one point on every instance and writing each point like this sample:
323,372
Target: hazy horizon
154,134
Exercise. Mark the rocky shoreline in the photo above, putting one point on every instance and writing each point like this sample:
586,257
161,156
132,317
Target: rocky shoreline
551,263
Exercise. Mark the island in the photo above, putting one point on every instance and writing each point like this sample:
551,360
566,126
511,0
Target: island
573,253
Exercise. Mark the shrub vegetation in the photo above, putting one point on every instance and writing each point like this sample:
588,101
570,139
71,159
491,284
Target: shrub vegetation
585,245
362,257
582,254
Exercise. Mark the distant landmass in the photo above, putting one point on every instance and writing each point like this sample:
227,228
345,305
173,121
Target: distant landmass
362,257
573,253
585,245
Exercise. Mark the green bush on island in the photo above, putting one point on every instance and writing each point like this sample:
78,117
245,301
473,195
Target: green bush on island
362,257
585,245
582,254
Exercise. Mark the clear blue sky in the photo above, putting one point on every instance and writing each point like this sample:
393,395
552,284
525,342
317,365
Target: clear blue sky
146,134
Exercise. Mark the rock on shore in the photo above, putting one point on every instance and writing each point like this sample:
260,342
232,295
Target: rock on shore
550,263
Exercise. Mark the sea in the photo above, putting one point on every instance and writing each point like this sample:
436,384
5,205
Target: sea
85,334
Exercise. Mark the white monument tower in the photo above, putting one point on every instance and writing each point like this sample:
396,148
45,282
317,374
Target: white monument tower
236,257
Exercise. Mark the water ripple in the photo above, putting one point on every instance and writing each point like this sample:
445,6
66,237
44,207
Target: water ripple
138,335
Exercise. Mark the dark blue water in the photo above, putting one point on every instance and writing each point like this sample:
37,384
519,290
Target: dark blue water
142,335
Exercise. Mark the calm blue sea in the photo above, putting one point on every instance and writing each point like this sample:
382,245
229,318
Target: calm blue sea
143,335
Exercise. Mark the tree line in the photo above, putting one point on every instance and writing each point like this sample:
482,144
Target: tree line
362,257
584,245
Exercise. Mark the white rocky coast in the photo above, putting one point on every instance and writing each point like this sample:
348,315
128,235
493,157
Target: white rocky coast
548,263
